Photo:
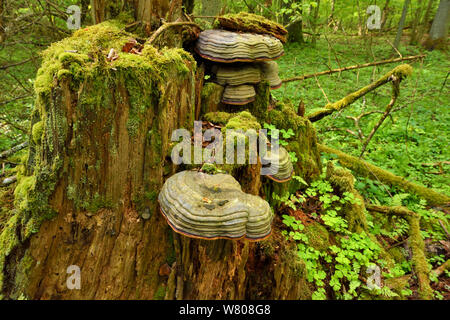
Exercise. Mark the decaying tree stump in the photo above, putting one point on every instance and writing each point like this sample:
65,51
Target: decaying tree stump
99,154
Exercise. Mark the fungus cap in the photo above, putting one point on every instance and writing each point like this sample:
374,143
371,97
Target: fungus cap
279,165
226,46
205,206
270,73
235,75
239,95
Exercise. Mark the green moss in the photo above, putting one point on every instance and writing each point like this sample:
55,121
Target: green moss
160,293
80,61
37,131
401,71
218,117
249,22
343,181
243,121
318,237
258,108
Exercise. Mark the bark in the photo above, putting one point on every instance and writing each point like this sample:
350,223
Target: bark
7,153
295,30
365,65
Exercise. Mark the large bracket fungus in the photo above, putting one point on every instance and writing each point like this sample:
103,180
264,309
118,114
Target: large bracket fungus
226,46
200,205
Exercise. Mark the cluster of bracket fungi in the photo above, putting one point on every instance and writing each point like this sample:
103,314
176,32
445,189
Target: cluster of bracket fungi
213,206
241,61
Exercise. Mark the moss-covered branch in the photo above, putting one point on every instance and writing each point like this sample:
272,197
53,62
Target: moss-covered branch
398,72
419,261
365,169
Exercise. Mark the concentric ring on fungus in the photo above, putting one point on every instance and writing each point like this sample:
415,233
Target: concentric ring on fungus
203,206
228,47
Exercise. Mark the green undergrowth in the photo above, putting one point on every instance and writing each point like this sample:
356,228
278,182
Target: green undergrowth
362,260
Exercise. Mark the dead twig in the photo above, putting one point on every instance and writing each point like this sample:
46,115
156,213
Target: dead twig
395,93
359,66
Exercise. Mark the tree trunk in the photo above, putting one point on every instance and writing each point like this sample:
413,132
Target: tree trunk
415,23
384,14
401,24
425,21
439,29
2,27
211,7
331,16
314,23
98,158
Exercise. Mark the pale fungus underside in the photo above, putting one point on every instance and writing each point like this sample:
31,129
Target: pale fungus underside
205,206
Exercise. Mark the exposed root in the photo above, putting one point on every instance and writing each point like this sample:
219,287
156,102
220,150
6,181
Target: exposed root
419,261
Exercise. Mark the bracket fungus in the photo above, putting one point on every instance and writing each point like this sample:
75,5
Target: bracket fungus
235,75
200,205
243,59
280,165
226,46
270,73
239,95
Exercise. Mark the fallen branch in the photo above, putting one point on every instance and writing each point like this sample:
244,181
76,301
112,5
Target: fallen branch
398,72
441,269
358,66
395,93
7,153
4,67
419,261
365,169
169,25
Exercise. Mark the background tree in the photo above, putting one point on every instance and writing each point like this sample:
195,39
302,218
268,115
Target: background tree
439,28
